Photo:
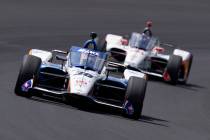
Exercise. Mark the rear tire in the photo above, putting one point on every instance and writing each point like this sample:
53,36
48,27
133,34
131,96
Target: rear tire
135,96
173,68
28,70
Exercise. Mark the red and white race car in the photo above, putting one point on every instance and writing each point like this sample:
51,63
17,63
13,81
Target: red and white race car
148,55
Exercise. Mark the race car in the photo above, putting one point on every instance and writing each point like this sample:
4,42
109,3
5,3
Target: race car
151,57
82,73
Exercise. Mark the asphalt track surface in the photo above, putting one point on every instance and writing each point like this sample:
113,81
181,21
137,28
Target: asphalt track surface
170,112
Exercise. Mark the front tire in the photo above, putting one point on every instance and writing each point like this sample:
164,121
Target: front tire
28,70
135,97
173,68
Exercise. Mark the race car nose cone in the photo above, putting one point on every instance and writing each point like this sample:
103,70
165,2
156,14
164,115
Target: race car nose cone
81,84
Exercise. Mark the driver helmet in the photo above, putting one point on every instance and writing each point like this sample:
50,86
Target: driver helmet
93,35
149,23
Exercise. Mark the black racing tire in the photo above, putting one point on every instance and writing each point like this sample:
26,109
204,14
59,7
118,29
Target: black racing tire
66,99
28,70
135,95
173,68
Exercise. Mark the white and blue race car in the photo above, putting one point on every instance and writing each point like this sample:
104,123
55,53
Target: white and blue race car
151,57
81,73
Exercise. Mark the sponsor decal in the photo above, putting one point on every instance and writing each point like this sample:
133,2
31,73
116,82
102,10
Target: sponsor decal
88,51
85,74
128,107
166,76
81,82
27,85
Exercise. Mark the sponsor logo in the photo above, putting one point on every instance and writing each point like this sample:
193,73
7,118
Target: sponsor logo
88,51
27,85
85,74
128,107
81,82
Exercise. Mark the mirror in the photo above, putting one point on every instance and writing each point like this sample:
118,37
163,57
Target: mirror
62,58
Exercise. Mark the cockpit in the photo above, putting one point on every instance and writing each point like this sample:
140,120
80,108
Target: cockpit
143,41
86,59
